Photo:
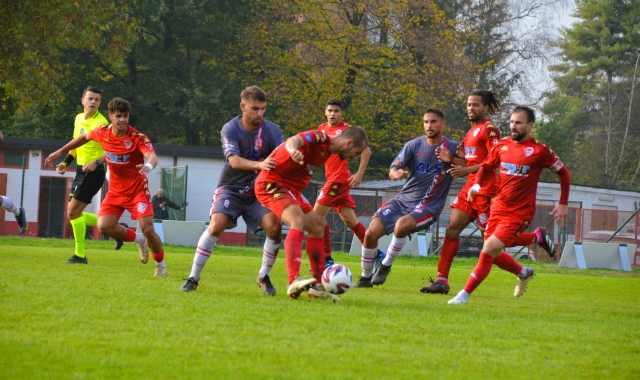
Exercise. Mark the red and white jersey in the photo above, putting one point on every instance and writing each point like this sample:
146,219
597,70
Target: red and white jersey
336,169
292,175
477,145
123,155
520,167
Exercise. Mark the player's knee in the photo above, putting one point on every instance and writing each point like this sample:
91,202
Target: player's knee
404,226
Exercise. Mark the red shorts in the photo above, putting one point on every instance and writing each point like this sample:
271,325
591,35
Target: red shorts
506,227
276,197
478,209
139,205
336,195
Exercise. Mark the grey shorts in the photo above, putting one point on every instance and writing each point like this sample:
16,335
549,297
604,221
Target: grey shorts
390,212
234,204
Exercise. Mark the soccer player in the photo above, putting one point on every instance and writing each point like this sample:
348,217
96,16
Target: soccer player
247,142
21,217
280,190
521,160
335,192
419,202
126,150
90,172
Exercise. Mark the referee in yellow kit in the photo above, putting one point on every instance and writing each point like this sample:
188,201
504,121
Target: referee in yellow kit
90,172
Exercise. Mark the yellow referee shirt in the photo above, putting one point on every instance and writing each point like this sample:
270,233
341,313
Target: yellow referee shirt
92,150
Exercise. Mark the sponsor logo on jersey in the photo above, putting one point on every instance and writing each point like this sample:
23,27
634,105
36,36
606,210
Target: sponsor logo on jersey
308,137
483,218
470,152
504,148
127,144
528,151
142,207
277,195
117,159
493,134
475,133
425,167
332,193
320,137
514,169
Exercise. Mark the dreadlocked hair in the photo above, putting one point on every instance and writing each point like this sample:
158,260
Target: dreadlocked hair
489,98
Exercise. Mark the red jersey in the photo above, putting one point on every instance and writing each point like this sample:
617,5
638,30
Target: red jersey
520,167
123,154
291,174
336,169
477,144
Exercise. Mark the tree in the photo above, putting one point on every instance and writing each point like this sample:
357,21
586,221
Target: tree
600,73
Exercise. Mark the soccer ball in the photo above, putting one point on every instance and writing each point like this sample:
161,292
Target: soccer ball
337,279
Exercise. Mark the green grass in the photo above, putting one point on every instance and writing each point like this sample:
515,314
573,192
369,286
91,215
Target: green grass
113,319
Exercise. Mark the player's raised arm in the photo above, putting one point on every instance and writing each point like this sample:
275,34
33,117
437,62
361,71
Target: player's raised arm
292,145
73,144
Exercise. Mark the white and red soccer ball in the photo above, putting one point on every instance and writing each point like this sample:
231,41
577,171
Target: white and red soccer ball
337,279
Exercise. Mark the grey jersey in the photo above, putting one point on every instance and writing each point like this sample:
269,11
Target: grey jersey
428,180
251,145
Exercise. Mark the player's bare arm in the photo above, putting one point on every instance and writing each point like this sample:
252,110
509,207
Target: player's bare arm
459,171
152,161
356,179
71,145
240,163
397,174
292,145
92,166
1,136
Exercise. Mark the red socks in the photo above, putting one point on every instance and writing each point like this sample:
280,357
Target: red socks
359,230
449,251
293,253
327,241
157,257
130,236
316,257
508,263
525,238
480,272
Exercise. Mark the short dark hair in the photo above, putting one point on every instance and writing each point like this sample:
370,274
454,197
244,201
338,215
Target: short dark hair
531,115
357,134
489,98
119,105
334,102
91,89
436,111
253,93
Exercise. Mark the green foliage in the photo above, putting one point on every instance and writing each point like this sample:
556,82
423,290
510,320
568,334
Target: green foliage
597,91
113,319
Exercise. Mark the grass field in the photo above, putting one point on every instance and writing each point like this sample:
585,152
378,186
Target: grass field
113,319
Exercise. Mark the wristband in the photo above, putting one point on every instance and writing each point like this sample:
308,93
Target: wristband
149,166
475,188
68,160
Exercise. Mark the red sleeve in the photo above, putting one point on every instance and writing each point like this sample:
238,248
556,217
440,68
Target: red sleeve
145,144
95,134
314,137
488,165
493,137
565,183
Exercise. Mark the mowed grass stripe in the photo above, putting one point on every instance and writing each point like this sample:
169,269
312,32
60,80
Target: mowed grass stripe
113,319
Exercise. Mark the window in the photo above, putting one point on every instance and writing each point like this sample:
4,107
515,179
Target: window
13,158
46,154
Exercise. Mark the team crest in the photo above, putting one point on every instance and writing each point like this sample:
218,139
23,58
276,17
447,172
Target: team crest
308,137
475,133
483,218
338,132
142,207
128,144
528,151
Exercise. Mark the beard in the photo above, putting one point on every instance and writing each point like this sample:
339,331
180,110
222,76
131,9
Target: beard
518,136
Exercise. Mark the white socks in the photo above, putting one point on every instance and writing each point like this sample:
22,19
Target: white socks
395,247
366,262
8,205
269,254
203,251
140,239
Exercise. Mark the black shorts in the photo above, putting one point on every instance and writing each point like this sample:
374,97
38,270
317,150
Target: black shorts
86,185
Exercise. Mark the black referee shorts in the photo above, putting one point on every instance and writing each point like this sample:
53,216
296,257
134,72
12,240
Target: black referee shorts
86,185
